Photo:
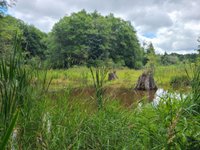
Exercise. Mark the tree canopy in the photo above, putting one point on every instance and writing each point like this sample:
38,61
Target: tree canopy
90,38
84,39
31,38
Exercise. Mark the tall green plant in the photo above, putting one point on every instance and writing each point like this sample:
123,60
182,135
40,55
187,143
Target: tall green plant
9,131
20,86
14,80
195,84
14,83
98,76
196,87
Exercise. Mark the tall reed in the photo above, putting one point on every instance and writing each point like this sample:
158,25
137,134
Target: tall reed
195,84
17,92
196,87
98,76
14,82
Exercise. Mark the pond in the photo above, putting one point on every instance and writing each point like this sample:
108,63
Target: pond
127,97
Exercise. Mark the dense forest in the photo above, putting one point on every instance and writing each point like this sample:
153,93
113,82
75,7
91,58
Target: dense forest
84,39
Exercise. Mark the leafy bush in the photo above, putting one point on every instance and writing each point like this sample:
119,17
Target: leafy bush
179,81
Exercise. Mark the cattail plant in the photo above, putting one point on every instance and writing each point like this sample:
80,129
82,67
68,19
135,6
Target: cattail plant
14,80
98,76
16,91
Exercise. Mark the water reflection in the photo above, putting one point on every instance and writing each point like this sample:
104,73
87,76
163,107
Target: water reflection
127,97
163,94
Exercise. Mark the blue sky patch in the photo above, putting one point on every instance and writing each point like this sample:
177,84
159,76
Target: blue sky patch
150,35
3,10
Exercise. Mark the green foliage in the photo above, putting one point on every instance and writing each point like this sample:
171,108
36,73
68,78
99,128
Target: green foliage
98,77
9,26
169,59
86,38
14,86
151,58
195,83
150,49
18,89
68,125
180,81
58,121
63,121
14,82
5,139
33,42
32,38
174,58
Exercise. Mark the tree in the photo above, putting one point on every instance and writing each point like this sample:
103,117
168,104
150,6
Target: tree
90,38
33,41
31,37
125,46
9,27
169,59
68,42
152,59
150,49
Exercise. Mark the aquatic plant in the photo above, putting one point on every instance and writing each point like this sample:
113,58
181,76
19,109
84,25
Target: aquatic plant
98,76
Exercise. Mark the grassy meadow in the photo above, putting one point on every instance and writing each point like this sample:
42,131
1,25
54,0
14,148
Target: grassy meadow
127,78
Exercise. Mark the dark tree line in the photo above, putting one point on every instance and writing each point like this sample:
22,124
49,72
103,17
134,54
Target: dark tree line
32,39
174,58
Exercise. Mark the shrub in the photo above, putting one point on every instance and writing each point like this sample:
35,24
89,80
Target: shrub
179,81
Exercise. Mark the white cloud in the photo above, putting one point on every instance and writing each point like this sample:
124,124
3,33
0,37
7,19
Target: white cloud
175,23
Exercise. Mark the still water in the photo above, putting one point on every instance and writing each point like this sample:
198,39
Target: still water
128,97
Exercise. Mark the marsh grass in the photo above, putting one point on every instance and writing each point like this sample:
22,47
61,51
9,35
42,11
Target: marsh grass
20,88
180,81
166,126
195,84
14,84
127,78
98,75
164,74
59,121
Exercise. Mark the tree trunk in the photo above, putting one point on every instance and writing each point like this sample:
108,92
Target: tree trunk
146,82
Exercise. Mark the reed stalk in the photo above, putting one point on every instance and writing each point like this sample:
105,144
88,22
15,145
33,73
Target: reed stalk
98,76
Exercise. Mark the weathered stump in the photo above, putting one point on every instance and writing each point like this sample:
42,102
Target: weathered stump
112,76
146,82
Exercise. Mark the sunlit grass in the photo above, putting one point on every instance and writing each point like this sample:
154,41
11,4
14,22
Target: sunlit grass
127,78
63,120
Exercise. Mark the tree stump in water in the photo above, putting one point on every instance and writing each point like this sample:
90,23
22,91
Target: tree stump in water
146,82
112,76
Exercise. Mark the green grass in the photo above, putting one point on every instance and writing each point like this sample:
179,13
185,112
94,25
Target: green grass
60,120
81,77
66,124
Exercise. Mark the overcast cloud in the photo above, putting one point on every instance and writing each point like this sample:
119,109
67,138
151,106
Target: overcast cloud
171,25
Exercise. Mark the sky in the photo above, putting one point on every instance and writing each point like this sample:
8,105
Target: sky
171,25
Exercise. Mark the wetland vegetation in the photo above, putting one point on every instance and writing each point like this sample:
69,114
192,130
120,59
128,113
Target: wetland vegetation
55,93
